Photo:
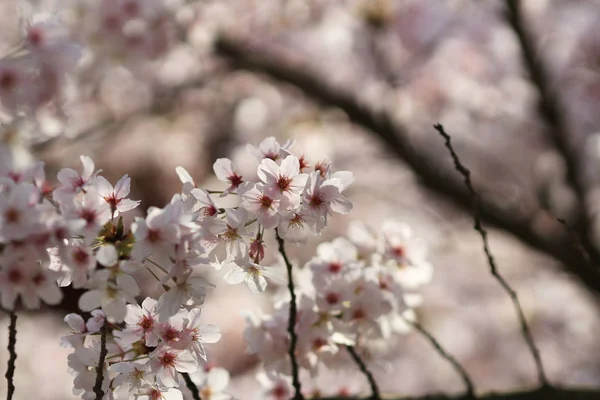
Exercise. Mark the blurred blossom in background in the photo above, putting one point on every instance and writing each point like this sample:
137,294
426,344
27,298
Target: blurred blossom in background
141,87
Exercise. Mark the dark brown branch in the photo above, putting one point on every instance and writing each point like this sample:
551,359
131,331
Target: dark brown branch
191,386
470,388
464,171
550,108
375,395
245,55
538,394
100,369
291,321
12,343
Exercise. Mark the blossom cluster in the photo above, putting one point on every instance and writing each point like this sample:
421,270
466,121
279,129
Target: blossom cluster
33,74
74,235
357,291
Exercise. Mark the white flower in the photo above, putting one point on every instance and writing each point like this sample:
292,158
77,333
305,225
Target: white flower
190,290
155,392
225,172
166,363
254,275
112,296
73,182
142,323
212,382
116,197
134,374
194,334
283,181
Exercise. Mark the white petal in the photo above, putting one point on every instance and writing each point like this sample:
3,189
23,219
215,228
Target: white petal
107,255
90,300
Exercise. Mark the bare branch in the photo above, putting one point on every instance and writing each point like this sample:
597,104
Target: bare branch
191,386
464,171
375,395
470,388
291,321
12,343
550,108
100,369
538,394
245,55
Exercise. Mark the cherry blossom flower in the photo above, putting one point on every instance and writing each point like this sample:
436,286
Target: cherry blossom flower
73,182
116,197
225,172
167,362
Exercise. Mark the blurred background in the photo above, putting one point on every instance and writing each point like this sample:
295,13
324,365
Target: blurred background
359,83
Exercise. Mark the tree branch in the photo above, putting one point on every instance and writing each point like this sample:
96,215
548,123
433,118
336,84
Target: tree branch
470,388
550,108
100,369
191,386
464,171
245,55
12,343
375,395
291,321
538,394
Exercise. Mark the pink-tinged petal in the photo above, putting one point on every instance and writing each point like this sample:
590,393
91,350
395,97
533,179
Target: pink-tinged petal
218,379
209,333
76,322
88,167
290,166
171,234
149,305
202,196
235,276
115,308
169,304
8,297
128,284
103,186
50,293
257,283
127,205
90,300
186,363
269,219
67,175
107,255
184,176
268,170
341,205
172,394
223,169
299,181
134,313
30,299
236,218
122,187
345,177
329,192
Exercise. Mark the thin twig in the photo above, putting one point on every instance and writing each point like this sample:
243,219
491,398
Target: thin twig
375,395
490,258
470,388
292,321
100,369
550,109
12,343
190,385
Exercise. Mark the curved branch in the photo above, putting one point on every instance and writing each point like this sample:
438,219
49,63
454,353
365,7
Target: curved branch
537,394
243,54
464,171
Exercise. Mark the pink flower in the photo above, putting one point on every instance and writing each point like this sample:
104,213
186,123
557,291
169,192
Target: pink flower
225,172
73,182
116,197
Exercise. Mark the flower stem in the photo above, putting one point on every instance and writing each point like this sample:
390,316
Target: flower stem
292,321
12,342
190,385
375,395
